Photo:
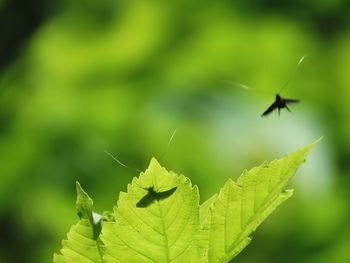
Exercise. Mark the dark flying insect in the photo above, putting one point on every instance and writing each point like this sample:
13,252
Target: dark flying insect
152,196
279,104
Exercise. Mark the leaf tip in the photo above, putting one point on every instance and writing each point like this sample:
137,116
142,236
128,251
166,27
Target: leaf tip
308,147
83,203
81,194
154,162
311,145
78,188
154,165
316,141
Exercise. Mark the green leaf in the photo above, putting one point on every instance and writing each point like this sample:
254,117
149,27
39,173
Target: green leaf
83,244
159,218
230,218
163,229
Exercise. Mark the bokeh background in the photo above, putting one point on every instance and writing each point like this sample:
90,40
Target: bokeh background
81,77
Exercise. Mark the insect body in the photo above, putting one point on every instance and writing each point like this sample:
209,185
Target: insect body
279,104
153,196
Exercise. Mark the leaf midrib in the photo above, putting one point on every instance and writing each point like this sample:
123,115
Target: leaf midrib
165,236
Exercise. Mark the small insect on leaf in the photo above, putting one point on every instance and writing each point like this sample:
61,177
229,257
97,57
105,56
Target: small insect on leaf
153,196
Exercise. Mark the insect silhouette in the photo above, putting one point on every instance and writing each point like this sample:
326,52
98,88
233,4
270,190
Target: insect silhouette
153,196
279,102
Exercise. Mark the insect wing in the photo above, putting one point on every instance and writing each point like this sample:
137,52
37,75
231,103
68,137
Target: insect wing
270,109
165,194
146,201
288,101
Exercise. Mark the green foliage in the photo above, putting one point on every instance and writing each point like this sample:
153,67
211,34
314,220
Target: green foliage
83,244
171,226
240,207
165,231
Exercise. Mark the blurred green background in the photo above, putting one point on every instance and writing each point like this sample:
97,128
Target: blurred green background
81,77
